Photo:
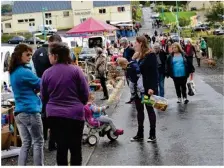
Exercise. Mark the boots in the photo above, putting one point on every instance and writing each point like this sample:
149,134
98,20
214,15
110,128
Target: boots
140,134
152,135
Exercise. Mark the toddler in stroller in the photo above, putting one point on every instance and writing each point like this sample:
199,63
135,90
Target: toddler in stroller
99,122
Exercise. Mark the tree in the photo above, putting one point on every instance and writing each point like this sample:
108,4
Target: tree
7,8
183,21
216,12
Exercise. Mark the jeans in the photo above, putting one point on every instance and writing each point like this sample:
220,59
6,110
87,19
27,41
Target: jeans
107,120
103,84
141,117
68,136
161,84
180,86
31,130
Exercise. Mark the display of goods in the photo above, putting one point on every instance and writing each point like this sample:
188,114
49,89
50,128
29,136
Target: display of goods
115,95
157,102
95,86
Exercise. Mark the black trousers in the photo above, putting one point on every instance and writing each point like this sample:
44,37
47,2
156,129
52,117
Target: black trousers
141,117
199,61
52,141
103,84
190,59
180,86
68,134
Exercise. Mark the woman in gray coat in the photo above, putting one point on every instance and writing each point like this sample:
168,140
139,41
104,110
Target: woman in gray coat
101,67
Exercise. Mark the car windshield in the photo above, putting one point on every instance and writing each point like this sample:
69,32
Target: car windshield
88,51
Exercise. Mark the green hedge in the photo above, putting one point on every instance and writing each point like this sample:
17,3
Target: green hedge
216,43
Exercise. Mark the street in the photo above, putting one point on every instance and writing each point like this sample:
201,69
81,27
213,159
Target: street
186,134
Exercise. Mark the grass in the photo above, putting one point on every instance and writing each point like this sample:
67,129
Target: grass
170,17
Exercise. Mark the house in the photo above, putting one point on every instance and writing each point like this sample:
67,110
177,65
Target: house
199,5
28,15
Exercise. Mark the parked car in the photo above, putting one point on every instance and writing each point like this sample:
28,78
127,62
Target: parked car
87,54
48,29
175,38
202,27
38,40
219,31
16,40
193,9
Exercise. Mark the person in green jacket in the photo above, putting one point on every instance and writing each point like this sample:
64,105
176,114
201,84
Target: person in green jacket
203,47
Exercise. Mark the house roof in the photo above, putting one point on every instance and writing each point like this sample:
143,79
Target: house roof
20,7
110,3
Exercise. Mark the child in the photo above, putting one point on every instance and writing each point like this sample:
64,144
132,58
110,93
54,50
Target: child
134,77
97,113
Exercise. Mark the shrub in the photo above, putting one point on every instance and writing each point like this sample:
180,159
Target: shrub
216,43
183,21
5,38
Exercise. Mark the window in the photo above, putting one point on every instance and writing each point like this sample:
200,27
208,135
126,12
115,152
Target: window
8,25
32,20
33,24
30,24
50,22
20,21
66,13
47,15
46,22
82,20
26,20
102,11
121,9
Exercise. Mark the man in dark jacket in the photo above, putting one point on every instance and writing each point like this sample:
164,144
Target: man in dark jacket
42,63
161,62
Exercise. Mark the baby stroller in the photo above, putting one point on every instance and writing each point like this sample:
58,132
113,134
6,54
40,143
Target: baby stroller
95,127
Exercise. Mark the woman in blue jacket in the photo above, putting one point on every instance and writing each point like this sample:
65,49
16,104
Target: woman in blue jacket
25,84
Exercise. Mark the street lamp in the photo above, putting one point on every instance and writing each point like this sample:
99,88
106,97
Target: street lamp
43,10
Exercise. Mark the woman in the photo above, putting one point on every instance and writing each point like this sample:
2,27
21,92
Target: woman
65,91
148,68
179,68
203,47
169,48
101,67
190,51
198,53
25,85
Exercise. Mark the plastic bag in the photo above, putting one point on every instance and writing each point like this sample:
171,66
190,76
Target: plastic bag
191,86
157,102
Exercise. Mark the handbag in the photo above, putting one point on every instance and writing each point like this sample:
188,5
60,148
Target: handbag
191,86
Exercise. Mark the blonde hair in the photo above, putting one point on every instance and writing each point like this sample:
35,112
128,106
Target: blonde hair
178,46
91,97
122,61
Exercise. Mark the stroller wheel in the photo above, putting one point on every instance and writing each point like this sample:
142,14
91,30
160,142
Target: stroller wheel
84,138
92,140
111,136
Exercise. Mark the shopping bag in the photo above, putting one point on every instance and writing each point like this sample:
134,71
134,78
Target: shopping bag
156,102
191,86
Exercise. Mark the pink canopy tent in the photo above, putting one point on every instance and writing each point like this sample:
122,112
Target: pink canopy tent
91,26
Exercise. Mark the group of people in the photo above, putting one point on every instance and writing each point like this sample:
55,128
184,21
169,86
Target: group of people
43,102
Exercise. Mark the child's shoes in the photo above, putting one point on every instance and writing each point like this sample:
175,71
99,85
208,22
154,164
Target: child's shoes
119,132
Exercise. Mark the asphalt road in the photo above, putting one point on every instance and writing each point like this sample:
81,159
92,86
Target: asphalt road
186,134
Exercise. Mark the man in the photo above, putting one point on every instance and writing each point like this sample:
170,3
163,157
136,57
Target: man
128,54
42,63
161,60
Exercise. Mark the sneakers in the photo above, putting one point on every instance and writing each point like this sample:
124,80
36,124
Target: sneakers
186,101
179,100
119,132
137,138
151,139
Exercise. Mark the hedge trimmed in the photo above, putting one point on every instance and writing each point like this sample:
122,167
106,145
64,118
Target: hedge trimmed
216,43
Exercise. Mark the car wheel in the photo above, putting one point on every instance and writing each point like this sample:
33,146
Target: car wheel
9,42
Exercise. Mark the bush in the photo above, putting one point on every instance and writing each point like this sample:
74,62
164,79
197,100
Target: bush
5,38
183,21
216,43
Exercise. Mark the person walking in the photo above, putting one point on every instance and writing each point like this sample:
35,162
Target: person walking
203,47
190,51
149,70
65,91
198,53
161,62
25,84
101,68
153,39
179,68
41,64
168,48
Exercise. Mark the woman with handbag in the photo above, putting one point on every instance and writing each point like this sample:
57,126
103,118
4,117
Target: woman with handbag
179,68
198,53
101,68
149,70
